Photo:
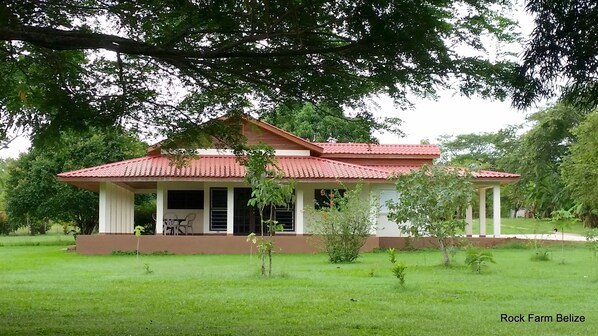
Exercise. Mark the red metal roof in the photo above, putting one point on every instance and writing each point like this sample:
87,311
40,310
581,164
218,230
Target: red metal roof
153,167
362,148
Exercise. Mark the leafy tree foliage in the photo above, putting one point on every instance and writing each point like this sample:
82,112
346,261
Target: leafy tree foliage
432,201
322,124
33,191
175,64
479,150
541,154
580,169
5,227
494,151
562,49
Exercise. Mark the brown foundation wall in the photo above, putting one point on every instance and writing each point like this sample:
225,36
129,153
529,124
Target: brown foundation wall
221,244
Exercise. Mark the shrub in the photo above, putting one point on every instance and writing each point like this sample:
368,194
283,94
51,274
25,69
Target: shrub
592,240
345,224
541,254
392,255
476,259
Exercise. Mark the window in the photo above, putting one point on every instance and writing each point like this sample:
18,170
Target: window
322,197
218,208
185,199
387,195
286,217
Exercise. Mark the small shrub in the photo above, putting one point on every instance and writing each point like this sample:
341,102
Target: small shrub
541,254
476,259
399,270
345,224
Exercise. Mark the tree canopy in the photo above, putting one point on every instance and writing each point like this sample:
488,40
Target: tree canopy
324,124
165,66
580,169
561,56
432,201
33,192
479,150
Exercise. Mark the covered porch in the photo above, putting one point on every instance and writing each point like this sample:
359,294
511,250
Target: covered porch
194,208
496,211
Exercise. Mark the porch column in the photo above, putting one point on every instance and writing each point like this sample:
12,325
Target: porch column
116,212
482,212
299,230
496,210
230,211
469,221
160,208
103,215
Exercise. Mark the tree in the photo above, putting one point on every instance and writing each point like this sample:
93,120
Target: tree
494,151
5,227
580,169
33,192
539,157
324,124
268,192
432,201
479,150
562,50
166,66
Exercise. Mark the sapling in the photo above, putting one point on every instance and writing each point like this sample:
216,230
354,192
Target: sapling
476,259
138,229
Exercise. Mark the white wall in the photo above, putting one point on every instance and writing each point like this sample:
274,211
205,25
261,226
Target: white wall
386,228
117,206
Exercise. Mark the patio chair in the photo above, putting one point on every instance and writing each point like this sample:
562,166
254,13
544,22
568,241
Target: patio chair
187,224
170,223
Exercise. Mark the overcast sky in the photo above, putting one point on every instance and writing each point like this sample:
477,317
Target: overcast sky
450,114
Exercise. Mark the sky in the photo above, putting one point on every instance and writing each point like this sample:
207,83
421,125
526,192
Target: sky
451,114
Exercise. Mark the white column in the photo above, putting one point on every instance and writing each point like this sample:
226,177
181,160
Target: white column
103,218
230,211
482,212
496,210
299,211
469,221
160,190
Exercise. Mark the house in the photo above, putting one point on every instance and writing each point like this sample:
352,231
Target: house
212,189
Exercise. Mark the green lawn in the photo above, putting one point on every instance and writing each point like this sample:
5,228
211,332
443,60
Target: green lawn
45,290
527,226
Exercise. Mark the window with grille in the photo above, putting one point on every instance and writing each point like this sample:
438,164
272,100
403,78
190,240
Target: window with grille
218,209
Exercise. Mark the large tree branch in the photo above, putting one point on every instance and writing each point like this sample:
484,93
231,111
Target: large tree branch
59,39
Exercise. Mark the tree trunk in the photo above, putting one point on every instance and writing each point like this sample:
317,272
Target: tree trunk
443,247
263,257
270,261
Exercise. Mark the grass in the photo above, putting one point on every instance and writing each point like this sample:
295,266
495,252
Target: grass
527,226
48,291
